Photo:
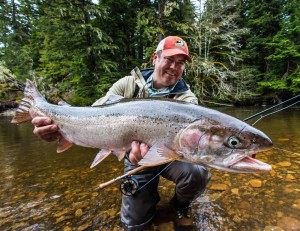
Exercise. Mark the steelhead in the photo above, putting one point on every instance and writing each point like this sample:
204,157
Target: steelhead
174,130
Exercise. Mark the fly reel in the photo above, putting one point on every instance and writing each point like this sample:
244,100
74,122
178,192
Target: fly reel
129,186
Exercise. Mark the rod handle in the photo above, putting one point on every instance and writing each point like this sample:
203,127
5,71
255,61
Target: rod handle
103,185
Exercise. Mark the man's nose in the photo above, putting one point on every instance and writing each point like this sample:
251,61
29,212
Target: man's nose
173,65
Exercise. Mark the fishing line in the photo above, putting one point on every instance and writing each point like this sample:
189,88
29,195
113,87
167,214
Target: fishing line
268,109
241,130
274,112
286,151
156,175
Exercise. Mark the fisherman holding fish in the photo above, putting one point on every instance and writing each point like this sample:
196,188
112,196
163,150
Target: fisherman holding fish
165,80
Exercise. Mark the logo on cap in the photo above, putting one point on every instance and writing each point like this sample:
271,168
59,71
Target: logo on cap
179,43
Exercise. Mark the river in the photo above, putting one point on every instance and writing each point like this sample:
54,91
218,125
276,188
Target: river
44,190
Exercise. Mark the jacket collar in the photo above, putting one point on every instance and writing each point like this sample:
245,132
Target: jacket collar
180,87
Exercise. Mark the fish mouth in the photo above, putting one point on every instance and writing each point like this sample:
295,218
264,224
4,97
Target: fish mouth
250,164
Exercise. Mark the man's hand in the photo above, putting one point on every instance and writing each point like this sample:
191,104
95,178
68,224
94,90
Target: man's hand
138,151
44,129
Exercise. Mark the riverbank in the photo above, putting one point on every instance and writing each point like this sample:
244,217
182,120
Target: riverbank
8,112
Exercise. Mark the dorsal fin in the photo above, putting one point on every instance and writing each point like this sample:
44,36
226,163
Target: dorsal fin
113,99
63,103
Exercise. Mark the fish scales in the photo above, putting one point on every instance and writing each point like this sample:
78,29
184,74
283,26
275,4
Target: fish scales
146,125
174,130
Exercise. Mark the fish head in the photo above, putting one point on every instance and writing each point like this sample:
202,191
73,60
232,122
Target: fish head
229,146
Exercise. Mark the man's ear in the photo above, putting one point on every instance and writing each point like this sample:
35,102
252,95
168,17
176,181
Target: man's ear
154,57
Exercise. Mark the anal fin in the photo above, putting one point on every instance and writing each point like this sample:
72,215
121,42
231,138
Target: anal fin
100,156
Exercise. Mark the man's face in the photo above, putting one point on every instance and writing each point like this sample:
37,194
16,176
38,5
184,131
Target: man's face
168,70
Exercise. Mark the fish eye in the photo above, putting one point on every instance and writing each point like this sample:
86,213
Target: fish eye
234,142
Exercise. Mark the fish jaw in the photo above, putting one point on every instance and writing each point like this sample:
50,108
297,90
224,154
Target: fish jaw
250,164
240,163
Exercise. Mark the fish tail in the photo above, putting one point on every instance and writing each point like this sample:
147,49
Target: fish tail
31,93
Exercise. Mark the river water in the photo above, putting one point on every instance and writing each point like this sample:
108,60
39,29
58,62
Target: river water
44,190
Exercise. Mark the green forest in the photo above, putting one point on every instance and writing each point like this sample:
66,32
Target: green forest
244,51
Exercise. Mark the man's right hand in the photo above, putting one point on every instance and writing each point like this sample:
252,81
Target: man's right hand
137,152
44,129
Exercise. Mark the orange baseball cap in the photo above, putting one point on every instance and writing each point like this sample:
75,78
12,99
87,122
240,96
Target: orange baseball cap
173,45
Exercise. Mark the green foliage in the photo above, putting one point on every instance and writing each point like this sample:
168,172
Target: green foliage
75,50
10,87
275,44
277,85
293,81
16,50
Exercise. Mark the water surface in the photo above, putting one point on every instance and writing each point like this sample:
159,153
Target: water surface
44,190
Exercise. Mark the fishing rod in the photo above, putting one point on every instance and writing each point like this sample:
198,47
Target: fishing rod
130,184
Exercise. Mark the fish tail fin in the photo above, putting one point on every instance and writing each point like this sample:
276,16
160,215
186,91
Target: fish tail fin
31,93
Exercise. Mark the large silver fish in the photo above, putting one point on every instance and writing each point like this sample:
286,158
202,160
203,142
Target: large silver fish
174,130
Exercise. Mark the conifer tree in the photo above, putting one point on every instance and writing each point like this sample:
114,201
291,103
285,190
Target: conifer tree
273,45
284,71
74,49
216,68
16,23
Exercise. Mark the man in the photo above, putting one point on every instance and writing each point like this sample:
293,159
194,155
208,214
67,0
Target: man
164,81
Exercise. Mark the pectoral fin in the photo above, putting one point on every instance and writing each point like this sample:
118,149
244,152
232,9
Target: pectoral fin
158,155
100,156
63,145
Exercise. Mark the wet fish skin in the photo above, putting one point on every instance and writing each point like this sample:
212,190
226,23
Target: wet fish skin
174,130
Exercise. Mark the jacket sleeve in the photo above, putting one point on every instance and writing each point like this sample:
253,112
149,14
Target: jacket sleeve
123,87
188,96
